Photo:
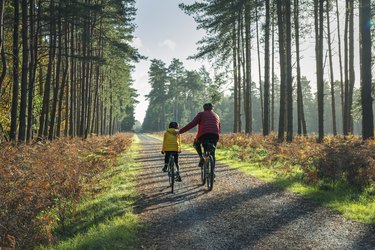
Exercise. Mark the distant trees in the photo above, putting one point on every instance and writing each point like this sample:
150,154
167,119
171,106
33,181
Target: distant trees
178,94
71,69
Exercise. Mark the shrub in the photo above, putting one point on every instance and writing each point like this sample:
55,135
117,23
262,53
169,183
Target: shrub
38,182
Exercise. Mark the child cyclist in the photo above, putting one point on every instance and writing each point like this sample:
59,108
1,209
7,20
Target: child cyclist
172,146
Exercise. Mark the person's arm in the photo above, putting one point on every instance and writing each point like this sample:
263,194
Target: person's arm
179,143
191,124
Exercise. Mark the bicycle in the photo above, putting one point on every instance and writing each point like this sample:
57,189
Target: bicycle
208,168
172,172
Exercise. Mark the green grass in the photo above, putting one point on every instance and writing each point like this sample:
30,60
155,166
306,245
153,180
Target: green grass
106,220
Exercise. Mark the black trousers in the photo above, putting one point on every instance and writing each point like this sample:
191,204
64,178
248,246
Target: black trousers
169,153
204,139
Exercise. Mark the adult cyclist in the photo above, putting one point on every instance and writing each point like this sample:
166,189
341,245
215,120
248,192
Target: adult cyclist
208,129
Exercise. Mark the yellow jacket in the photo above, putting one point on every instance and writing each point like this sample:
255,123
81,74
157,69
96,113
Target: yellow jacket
171,142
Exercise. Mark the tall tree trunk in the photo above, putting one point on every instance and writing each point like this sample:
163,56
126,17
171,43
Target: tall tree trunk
248,101
25,71
289,79
273,70
301,122
110,108
340,60
346,70
280,23
56,89
333,105
259,66
14,109
32,66
43,121
64,82
318,11
244,69
266,122
235,101
239,79
351,66
72,83
2,51
365,49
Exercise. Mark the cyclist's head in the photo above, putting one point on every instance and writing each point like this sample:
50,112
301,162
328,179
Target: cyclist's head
173,125
207,106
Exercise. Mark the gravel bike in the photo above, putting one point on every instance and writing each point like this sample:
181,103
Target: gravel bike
208,168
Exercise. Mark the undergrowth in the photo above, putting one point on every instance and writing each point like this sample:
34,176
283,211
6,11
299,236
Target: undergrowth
42,183
104,218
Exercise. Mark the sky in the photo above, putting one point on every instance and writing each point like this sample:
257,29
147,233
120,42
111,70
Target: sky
163,32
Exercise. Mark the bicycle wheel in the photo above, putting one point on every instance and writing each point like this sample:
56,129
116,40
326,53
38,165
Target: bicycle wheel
203,173
171,172
210,173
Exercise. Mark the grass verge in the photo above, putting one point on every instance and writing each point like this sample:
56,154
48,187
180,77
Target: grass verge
105,219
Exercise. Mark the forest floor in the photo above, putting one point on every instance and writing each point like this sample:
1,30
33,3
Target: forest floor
241,212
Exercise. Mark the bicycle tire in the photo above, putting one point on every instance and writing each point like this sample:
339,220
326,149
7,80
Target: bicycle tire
171,172
203,173
211,173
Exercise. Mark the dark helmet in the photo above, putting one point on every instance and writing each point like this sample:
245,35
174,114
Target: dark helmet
173,125
207,106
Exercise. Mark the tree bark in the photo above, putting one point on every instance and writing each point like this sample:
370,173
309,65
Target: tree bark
235,92
318,13
340,60
333,105
25,71
2,51
14,109
33,33
301,123
280,23
64,82
365,51
346,69
248,101
351,66
259,65
56,89
266,122
289,79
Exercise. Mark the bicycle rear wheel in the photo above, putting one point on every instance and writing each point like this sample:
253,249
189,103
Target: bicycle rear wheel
203,173
171,172
210,173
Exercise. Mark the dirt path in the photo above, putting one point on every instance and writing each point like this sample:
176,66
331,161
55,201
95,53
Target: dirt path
241,212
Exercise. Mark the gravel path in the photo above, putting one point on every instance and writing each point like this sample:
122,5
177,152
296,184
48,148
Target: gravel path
241,212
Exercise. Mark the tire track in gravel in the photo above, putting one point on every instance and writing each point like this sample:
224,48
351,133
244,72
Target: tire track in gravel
241,212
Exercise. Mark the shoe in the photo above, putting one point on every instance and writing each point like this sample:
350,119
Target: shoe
201,162
165,168
178,177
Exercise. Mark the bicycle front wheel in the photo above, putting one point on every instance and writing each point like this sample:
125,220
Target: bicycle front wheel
210,173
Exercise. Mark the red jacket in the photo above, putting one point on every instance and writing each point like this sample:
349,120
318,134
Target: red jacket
208,123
